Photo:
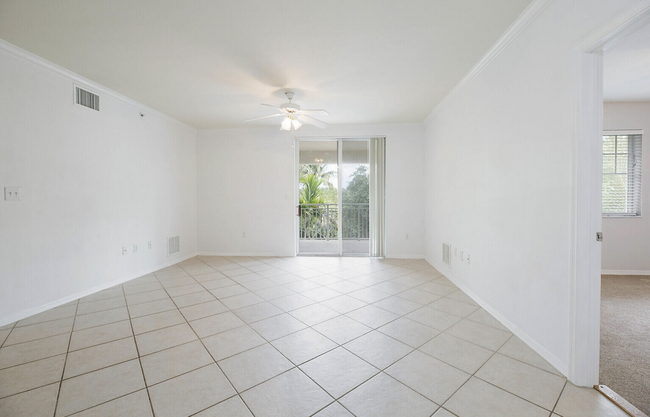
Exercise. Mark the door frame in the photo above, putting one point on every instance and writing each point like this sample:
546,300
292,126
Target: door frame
584,288
296,187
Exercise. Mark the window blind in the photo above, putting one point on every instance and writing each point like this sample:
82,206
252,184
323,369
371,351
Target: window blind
622,170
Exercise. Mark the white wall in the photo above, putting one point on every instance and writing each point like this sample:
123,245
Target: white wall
499,170
626,243
92,182
246,185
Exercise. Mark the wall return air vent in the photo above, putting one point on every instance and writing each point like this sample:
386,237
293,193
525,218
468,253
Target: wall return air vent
173,245
446,253
86,98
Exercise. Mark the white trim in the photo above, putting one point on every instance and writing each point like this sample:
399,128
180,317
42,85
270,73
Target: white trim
403,256
545,354
586,217
284,255
61,301
80,81
339,192
624,272
608,34
623,132
528,16
261,254
296,196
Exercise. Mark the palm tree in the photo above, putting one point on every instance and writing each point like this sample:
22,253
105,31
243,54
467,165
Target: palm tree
315,220
310,192
319,171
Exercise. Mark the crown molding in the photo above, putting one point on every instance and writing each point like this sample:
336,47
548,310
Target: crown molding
77,79
528,16
626,23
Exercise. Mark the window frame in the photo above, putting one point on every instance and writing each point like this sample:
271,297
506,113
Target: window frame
634,171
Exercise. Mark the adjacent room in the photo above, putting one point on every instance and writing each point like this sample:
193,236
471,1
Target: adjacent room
625,328
366,208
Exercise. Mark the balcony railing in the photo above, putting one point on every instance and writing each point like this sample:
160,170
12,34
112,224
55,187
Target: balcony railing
320,221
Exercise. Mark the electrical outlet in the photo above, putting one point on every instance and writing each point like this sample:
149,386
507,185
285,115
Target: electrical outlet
407,236
123,250
149,244
12,194
135,248
468,259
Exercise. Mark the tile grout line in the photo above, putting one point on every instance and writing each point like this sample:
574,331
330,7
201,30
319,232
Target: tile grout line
558,397
65,362
137,350
294,365
501,388
213,360
268,342
473,375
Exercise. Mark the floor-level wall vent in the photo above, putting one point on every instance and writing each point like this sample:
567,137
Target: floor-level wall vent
86,98
173,246
446,253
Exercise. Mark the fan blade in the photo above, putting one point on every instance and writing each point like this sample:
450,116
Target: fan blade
315,111
277,108
263,117
311,121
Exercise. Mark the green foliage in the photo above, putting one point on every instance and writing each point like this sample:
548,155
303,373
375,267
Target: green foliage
358,190
319,171
310,191
356,214
320,222
330,195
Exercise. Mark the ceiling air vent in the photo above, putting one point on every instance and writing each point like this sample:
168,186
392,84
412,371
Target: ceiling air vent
446,253
86,98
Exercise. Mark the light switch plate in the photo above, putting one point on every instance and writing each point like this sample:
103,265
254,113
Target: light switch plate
12,194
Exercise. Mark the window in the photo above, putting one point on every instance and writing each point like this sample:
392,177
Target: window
622,174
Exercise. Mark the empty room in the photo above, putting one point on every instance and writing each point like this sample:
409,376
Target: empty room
257,208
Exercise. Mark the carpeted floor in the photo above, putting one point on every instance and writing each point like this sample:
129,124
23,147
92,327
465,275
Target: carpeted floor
625,338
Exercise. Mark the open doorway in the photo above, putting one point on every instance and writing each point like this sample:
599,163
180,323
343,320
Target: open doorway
625,285
339,185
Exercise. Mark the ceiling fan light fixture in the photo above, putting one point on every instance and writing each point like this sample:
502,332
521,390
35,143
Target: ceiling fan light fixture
291,113
286,123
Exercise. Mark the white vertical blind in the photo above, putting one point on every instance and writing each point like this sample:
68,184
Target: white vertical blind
622,171
377,198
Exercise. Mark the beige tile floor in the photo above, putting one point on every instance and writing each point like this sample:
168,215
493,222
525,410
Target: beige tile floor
214,336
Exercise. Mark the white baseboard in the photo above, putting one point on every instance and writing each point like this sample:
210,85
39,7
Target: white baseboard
404,256
549,357
61,301
264,254
284,255
623,272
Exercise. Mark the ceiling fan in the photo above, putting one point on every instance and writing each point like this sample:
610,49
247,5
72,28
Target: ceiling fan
293,115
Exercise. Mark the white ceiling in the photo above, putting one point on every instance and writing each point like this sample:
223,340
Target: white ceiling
626,68
211,63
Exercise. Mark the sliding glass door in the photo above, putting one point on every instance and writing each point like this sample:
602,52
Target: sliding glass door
337,203
355,198
318,197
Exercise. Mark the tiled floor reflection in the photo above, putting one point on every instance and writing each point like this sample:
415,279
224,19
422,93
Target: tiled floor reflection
241,336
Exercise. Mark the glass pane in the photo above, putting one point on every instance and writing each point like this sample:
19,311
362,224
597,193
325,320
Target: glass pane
621,144
355,172
621,164
609,144
318,197
609,164
614,193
